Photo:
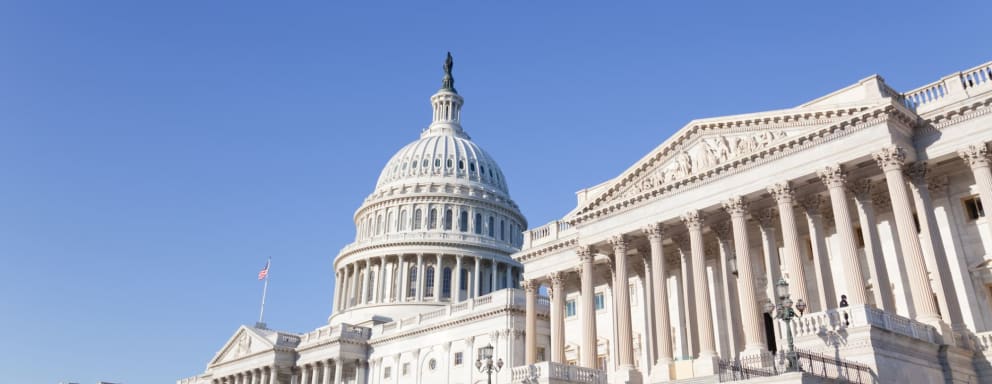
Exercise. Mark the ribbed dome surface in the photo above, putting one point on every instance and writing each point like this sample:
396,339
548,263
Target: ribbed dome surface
443,157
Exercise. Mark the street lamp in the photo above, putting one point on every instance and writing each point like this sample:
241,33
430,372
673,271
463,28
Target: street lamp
784,311
485,363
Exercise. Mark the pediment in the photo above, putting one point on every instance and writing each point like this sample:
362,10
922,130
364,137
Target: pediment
704,146
245,342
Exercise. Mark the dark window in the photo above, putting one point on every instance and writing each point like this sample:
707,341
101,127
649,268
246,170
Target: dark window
413,282
448,163
492,227
432,219
973,207
478,223
446,283
429,280
463,222
437,163
458,358
447,220
417,217
502,230
461,164
464,280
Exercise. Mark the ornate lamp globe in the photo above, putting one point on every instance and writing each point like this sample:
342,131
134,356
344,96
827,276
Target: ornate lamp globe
782,289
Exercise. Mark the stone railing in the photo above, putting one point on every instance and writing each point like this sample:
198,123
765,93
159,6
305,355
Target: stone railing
984,342
189,380
503,298
548,372
820,323
340,331
547,233
432,235
952,88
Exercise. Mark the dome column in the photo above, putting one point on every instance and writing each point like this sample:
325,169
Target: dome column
438,270
476,286
456,290
421,283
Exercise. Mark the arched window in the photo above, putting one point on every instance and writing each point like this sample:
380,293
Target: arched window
446,283
447,163
412,281
502,230
463,222
447,219
429,280
432,219
378,225
370,228
390,224
417,218
461,164
464,280
402,224
478,223
492,227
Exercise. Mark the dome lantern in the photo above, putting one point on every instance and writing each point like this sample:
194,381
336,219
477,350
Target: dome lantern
447,105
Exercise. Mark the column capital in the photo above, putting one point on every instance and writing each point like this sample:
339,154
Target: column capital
654,230
976,155
782,192
766,217
861,189
938,184
917,173
833,176
585,252
890,157
556,278
529,286
693,219
812,204
722,230
619,243
735,206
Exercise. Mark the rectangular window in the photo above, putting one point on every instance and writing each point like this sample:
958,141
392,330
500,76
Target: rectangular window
406,369
973,207
540,354
600,301
387,372
458,358
570,308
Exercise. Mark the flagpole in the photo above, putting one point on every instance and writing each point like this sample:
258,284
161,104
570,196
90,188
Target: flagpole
265,289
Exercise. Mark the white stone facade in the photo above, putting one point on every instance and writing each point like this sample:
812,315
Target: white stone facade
425,286
865,193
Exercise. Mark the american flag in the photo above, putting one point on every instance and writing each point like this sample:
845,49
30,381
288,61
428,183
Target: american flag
264,272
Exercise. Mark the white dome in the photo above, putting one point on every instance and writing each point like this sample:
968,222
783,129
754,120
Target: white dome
443,157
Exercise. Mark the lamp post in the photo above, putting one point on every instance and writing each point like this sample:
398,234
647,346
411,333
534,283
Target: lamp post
485,363
784,311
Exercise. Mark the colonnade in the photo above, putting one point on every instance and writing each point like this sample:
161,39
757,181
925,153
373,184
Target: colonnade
262,375
322,372
420,278
685,233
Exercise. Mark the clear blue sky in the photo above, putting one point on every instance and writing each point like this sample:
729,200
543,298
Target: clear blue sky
152,155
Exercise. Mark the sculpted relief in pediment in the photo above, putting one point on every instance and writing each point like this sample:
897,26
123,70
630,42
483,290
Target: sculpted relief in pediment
708,152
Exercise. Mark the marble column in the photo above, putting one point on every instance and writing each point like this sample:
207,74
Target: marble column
882,288
588,348
769,245
731,322
751,316
557,293
825,298
305,374
493,277
476,282
688,325
339,370
337,290
438,272
891,159
647,293
508,277
530,333
622,296
933,247
327,372
255,379
456,289
977,157
785,198
376,279
421,279
363,282
835,179
662,322
693,220
267,375
404,278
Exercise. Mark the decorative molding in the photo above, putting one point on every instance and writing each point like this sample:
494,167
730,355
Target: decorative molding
654,230
917,173
693,219
735,206
833,176
619,243
890,157
782,193
976,155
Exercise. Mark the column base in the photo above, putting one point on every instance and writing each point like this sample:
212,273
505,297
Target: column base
661,372
626,375
706,365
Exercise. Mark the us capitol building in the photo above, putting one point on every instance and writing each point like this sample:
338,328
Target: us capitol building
842,240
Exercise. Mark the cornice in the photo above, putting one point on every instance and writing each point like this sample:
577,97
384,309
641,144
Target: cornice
424,243
962,113
868,117
441,198
547,249
508,310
